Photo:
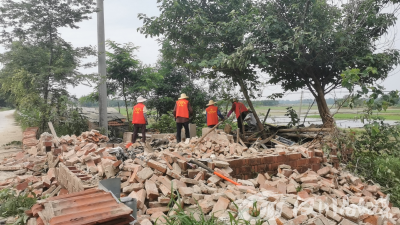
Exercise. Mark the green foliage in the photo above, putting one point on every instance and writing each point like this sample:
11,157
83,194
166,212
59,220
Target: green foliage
201,34
382,169
299,188
300,44
197,217
39,64
66,119
12,204
376,154
176,80
294,118
127,77
165,124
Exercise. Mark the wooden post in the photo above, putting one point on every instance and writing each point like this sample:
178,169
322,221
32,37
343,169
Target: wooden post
53,132
265,118
237,135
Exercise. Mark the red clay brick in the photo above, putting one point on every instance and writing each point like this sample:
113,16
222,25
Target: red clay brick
269,159
302,162
245,169
36,209
158,166
233,163
261,168
63,192
281,159
273,167
22,186
254,161
314,160
316,167
292,164
294,156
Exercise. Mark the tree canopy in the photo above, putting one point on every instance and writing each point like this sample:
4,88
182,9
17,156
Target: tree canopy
299,43
308,44
36,52
195,34
127,77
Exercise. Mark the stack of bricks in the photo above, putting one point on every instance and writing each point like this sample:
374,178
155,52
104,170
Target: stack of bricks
246,168
29,137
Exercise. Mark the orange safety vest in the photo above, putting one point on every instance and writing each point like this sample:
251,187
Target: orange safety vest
239,106
138,115
212,116
182,108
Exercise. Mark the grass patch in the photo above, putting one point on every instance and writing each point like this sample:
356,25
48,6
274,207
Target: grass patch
14,143
179,216
4,109
123,111
382,169
15,205
348,116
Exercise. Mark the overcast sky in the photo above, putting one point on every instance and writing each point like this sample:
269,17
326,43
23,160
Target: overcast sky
121,25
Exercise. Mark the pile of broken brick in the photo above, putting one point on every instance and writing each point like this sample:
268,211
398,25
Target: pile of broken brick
283,185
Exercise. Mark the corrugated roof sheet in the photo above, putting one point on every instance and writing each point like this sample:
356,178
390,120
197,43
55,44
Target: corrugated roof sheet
93,206
92,114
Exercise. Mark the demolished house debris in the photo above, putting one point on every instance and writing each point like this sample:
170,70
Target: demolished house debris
296,184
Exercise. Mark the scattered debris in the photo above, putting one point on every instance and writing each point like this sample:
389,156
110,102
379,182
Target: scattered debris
296,184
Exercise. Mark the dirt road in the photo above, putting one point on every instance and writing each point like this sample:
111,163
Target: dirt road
9,130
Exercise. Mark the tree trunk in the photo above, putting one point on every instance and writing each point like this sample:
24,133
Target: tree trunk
323,109
126,104
246,95
46,90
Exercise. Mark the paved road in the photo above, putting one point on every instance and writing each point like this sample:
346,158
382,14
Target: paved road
9,130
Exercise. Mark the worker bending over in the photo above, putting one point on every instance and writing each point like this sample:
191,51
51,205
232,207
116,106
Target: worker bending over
181,112
240,111
212,114
139,119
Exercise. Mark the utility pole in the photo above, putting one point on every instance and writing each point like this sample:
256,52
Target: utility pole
301,104
101,42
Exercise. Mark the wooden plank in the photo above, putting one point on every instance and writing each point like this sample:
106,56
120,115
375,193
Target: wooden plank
305,130
53,132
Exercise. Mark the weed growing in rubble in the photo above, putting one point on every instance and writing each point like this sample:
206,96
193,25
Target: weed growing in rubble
15,205
294,118
299,188
180,216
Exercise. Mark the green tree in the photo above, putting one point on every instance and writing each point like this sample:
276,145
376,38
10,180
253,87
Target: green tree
127,77
308,43
52,62
197,34
174,80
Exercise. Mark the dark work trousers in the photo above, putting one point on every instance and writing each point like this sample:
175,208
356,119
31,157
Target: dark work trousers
212,126
179,129
240,121
136,130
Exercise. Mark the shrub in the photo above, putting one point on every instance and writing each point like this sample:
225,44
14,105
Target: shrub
166,124
15,205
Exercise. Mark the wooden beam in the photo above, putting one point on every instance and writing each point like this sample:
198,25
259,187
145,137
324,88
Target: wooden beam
305,130
53,132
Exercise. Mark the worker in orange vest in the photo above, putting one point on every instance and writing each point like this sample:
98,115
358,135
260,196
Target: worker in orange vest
139,119
181,112
212,114
241,111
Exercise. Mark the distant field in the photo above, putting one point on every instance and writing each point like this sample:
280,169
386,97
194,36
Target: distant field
344,113
123,111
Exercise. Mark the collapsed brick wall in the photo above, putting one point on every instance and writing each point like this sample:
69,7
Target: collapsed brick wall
247,168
